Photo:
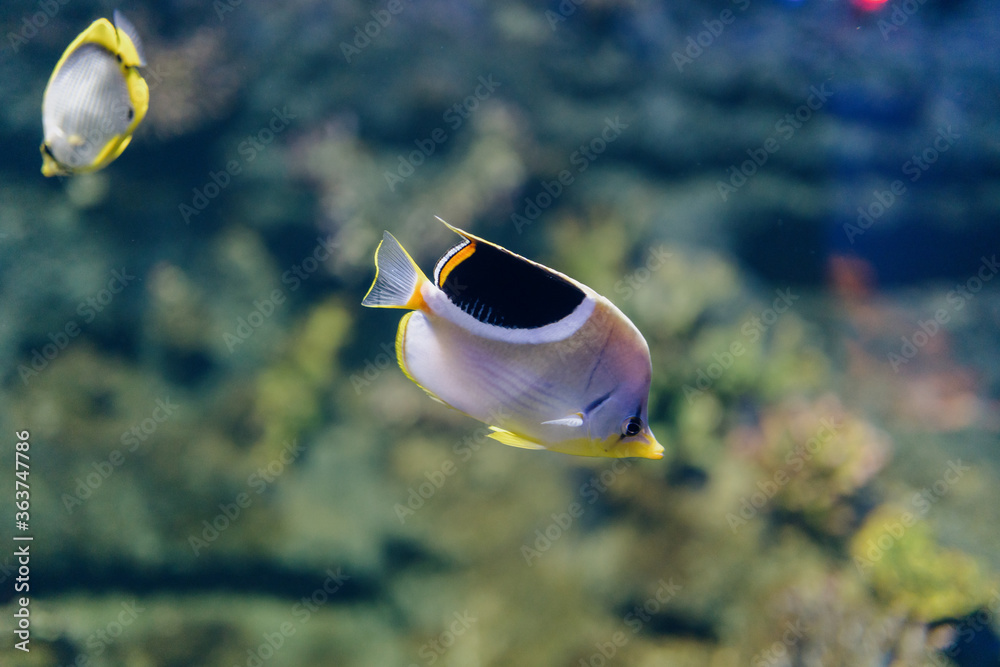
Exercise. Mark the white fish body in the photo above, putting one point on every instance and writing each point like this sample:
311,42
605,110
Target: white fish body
577,384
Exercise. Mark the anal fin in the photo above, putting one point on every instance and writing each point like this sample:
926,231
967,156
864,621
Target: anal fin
512,439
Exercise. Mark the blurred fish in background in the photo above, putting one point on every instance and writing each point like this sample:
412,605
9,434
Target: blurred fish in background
94,100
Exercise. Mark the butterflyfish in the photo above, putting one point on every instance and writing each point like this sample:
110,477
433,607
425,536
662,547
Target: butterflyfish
545,361
94,100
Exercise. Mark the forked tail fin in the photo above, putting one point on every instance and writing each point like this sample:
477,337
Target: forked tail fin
398,279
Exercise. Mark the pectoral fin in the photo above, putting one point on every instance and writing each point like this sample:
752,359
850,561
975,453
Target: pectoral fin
574,420
512,439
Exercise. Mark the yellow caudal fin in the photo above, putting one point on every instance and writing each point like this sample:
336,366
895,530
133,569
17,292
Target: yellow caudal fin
398,279
512,439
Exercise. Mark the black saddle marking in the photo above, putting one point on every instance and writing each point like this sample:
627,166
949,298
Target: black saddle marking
499,288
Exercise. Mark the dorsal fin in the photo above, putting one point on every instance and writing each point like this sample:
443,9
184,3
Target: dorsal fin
500,288
451,259
131,53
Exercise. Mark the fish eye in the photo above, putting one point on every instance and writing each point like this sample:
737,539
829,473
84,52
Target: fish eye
631,426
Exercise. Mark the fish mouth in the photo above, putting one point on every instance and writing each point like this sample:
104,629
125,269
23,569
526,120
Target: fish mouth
647,447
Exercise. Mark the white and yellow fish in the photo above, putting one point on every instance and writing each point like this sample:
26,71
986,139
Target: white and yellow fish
94,100
542,359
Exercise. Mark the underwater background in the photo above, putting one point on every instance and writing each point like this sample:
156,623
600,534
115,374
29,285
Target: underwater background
795,202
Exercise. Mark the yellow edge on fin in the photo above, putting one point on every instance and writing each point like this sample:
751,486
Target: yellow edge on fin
401,358
375,282
512,439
